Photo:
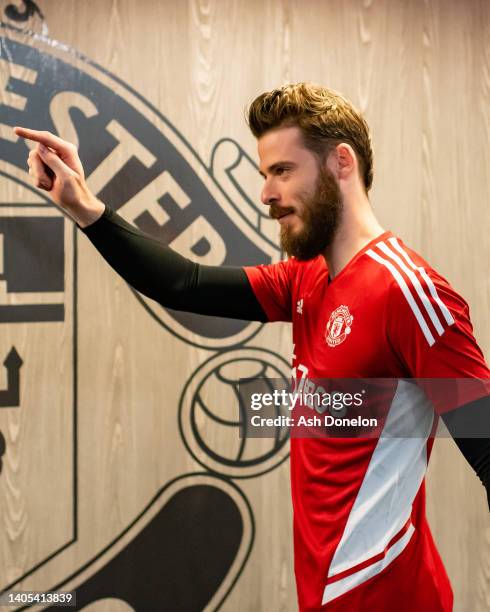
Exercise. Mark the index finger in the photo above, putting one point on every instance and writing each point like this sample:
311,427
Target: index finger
45,138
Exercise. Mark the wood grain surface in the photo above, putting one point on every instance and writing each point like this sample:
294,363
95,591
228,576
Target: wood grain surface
420,72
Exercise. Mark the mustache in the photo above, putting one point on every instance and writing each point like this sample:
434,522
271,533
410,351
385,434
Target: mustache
276,212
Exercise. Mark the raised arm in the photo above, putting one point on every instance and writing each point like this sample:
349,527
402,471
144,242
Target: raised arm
148,265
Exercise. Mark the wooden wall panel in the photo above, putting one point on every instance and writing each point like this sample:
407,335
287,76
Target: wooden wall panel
420,71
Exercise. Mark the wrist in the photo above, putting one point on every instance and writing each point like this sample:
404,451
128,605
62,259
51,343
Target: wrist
89,210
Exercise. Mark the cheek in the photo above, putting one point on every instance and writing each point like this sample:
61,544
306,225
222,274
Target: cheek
300,207
295,200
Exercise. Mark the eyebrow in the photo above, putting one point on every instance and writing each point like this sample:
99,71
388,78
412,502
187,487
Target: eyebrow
278,164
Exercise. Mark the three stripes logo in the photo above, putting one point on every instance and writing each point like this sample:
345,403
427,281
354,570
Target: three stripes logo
432,315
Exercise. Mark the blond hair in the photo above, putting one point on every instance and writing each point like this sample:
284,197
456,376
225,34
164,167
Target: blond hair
324,117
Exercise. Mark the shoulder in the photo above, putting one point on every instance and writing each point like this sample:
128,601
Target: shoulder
295,272
312,268
415,292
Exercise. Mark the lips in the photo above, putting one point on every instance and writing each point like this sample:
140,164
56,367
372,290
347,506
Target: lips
284,217
280,214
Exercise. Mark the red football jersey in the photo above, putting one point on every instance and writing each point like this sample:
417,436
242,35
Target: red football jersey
361,537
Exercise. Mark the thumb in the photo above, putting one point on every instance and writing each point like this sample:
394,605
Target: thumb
53,161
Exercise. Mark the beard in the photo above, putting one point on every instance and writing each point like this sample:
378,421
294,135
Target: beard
321,215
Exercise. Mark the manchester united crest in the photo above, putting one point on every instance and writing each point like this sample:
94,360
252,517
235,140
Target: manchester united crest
338,326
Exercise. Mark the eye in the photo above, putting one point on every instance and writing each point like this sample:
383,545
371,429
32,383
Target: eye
280,170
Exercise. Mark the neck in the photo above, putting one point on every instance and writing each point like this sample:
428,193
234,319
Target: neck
358,226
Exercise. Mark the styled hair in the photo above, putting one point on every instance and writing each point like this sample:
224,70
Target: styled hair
324,117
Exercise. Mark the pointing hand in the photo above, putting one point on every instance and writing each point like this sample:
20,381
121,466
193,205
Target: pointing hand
54,166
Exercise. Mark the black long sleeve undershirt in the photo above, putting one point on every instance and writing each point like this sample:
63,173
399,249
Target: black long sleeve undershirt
157,271
467,420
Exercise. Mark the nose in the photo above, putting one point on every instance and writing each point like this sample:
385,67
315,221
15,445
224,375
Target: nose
269,193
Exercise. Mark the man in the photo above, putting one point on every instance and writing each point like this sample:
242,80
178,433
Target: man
362,304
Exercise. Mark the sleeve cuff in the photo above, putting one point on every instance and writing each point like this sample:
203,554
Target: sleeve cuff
93,226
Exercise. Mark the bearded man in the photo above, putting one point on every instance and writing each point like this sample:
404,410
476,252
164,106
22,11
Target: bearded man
362,305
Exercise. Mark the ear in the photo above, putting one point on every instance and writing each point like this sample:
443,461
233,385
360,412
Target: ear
342,161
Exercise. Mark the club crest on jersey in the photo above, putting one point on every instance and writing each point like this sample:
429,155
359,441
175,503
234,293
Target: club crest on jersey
338,326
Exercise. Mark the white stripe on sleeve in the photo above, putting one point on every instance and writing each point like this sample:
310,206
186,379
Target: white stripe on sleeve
406,292
433,291
416,283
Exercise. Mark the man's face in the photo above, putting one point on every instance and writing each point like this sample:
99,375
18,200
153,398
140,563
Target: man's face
304,196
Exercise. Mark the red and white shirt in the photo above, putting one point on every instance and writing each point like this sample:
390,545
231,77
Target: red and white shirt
361,537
